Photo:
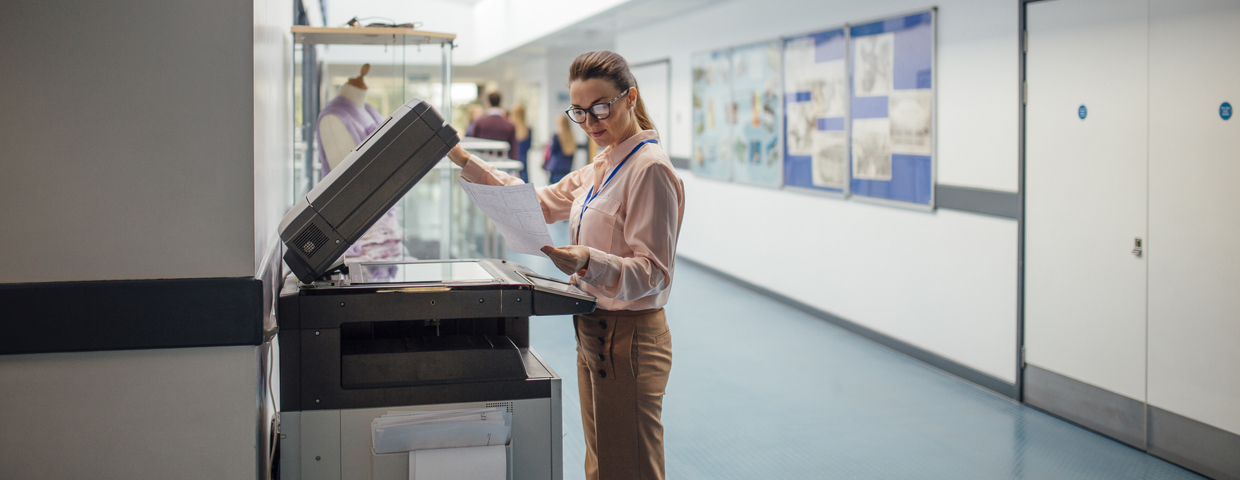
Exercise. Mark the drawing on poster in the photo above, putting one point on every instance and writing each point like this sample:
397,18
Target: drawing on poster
758,110
873,64
713,114
909,111
830,158
871,148
825,85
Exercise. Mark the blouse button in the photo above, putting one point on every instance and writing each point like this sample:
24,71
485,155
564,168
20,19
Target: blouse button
602,323
602,373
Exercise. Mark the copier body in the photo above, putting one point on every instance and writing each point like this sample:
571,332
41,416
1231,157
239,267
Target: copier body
351,352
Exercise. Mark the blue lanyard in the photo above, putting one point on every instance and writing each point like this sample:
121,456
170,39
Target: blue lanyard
592,195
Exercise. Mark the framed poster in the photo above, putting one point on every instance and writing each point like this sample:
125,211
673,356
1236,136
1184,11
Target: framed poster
713,115
891,107
758,113
816,111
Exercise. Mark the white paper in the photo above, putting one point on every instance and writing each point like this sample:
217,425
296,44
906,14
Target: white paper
873,62
830,159
515,211
405,431
467,463
871,148
910,121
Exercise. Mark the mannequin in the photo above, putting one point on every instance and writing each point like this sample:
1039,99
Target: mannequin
343,123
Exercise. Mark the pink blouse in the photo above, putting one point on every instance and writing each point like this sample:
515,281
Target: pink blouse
631,227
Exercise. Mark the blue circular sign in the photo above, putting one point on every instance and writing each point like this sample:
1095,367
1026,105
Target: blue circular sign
1224,111
1081,112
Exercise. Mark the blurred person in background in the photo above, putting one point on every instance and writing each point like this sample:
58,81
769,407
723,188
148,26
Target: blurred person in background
559,159
517,116
494,125
475,112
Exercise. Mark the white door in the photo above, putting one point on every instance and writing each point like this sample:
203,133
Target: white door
654,84
1085,191
1194,297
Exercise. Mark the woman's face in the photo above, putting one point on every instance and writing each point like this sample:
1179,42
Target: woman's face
618,125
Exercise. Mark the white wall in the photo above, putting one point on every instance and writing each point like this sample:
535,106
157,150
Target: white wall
435,16
501,25
944,281
273,121
188,413
129,140
484,30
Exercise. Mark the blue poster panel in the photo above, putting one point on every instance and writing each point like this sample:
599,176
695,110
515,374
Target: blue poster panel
816,111
758,107
891,109
714,149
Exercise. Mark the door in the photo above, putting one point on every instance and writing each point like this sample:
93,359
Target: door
654,82
1194,304
1086,164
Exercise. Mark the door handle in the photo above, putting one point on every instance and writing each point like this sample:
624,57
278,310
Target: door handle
1136,247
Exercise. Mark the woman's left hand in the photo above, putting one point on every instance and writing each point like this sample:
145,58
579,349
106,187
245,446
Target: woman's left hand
570,259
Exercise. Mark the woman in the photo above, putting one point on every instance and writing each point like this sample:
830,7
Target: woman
517,116
560,153
624,212
475,112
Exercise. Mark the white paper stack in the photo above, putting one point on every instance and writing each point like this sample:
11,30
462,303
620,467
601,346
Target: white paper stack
465,463
408,431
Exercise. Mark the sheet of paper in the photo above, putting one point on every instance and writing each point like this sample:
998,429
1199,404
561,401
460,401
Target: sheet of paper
873,64
403,431
515,211
909,111
871,148
472,463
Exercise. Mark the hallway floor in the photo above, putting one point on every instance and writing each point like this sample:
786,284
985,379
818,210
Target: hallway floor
761,390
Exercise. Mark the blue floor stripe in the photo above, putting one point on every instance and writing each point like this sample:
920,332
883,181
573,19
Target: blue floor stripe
761,390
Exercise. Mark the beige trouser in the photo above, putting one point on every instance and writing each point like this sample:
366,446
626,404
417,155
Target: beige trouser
623,360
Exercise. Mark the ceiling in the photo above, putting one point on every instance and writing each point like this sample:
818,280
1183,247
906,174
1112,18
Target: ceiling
596,32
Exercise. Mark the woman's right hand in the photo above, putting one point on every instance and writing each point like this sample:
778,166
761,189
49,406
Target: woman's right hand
458,155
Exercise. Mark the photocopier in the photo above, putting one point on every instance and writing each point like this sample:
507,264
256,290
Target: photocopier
360,340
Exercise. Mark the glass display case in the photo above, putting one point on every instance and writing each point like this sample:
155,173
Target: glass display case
435,219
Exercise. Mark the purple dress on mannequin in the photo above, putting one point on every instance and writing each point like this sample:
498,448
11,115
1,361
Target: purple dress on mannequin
384,240
361,121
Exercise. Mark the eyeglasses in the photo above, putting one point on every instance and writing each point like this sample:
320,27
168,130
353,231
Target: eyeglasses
599,110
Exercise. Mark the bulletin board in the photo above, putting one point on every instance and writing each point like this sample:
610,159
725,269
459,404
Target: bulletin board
714,148
816,111
891,107
758,105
